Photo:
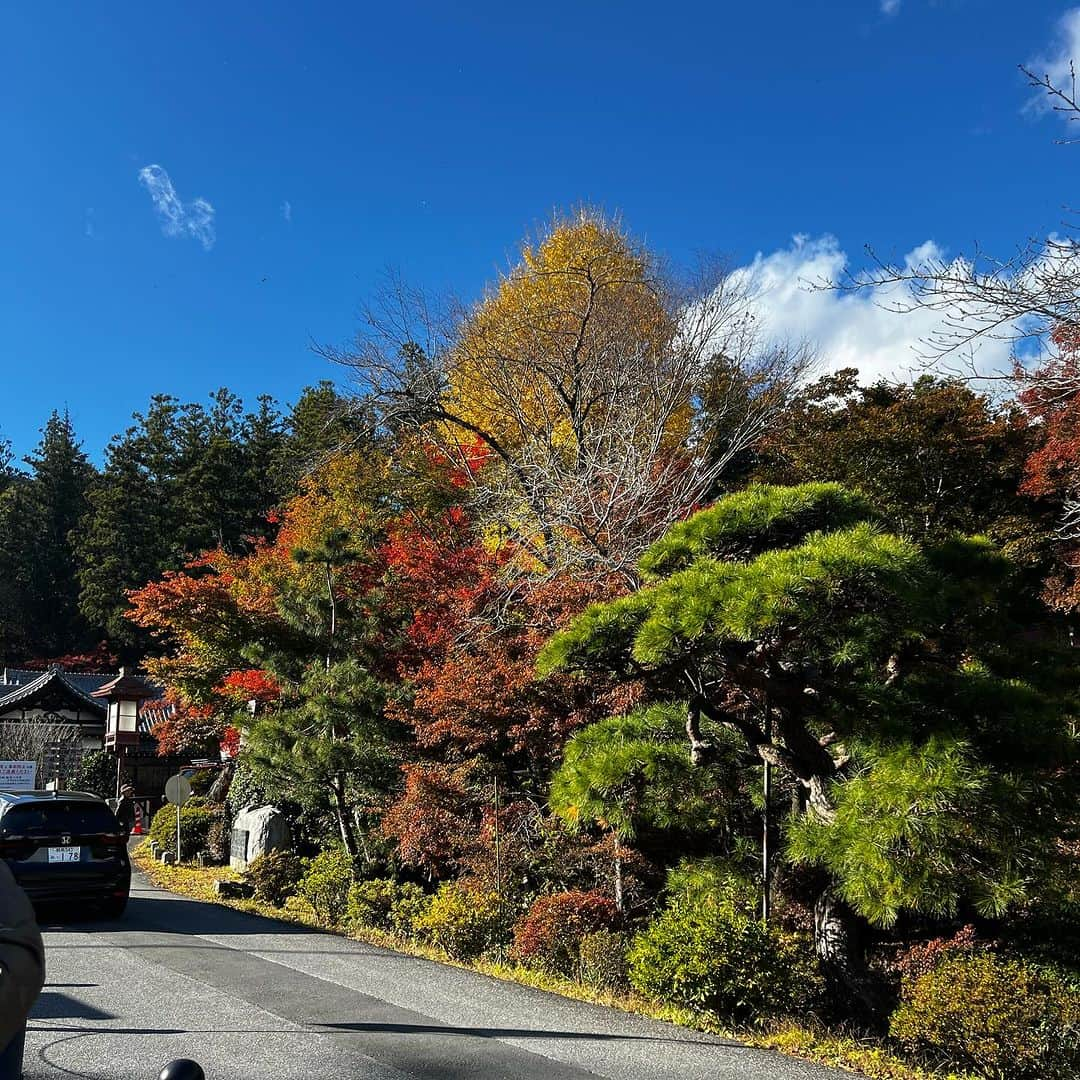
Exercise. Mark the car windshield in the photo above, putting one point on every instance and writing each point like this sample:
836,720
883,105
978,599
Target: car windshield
38,819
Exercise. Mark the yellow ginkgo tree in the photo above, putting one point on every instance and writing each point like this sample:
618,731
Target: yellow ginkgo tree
590,397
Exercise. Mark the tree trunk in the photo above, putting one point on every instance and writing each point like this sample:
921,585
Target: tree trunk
348,836
838,939
219,790
619,902
333,614
361,839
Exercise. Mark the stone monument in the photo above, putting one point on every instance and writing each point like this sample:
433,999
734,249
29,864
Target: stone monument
257,830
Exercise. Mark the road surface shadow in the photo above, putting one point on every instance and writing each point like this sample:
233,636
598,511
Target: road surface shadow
319,1028
514,1033
53,1006
180,915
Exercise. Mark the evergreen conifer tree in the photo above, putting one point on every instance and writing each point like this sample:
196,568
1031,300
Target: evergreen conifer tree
39,521
913,693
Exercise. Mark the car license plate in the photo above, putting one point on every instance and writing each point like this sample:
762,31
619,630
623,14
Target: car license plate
65,854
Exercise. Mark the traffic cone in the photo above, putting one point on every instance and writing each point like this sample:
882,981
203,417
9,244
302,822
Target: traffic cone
137,831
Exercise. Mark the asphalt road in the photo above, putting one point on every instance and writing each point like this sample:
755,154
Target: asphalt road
252,999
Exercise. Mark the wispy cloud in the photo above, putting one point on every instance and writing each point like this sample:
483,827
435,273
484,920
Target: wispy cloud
1057,65
194,219
890,7
286,211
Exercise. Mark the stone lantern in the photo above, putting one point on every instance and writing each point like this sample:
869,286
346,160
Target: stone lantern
124,694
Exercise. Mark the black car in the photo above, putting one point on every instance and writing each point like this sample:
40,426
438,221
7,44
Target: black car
65,847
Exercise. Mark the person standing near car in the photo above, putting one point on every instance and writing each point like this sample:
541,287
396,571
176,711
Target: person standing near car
22,971
125,809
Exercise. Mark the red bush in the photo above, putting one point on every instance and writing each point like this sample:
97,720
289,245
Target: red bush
918,960
549,934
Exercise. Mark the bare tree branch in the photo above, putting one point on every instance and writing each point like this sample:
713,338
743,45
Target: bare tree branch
600,418
30,740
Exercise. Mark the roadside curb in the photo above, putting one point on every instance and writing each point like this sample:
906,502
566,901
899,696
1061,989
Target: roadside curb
829,1050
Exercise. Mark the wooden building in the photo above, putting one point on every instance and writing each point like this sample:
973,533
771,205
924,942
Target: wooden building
69,706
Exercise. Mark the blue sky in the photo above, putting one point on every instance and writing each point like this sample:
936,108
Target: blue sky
329,141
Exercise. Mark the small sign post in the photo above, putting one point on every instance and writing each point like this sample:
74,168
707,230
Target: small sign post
177,791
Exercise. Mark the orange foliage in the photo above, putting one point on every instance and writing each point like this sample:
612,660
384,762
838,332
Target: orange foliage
186,726
1052,399
434,821
470,663
220,602
250,685
475,689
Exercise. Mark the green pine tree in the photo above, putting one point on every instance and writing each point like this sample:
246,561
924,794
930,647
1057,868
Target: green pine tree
44,518
913,693
124,541
321,422
181,480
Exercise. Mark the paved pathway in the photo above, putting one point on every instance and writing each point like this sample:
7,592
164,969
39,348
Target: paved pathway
253,999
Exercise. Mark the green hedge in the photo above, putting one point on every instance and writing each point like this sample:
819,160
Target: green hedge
464,920
275,876
388,905
603,960
709,950
196,821
326,883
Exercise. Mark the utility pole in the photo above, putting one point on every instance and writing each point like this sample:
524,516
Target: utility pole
498,864
498,850
766,792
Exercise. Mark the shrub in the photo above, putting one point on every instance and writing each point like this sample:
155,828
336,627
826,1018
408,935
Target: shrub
549,934
923,958
410,906
202,781
708,950
1003,1018
217,840
298,908
464,919
275,876
603,960
96,773
244,789
196,821
387,905
325,884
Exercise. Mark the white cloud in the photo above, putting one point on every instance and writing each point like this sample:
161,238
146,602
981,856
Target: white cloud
194,219
286,211
854,328
1057,66
890,7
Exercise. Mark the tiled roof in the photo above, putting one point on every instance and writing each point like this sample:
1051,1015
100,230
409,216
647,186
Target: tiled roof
17,684
84,681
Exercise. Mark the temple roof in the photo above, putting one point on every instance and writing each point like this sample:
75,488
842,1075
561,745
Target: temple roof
125,685
19,685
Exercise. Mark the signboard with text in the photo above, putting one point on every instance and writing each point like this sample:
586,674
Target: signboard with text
18,775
